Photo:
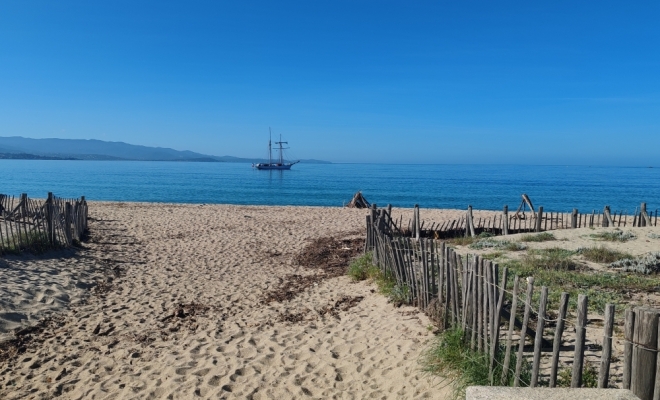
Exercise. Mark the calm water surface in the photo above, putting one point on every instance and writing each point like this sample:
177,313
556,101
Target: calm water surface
557,188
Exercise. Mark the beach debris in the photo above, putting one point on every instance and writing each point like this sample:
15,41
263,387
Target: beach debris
185,315
25,337
345,303
330,254
327,257
526,201
291,317
358,201
290,286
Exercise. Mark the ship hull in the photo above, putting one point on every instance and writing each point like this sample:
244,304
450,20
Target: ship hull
273,166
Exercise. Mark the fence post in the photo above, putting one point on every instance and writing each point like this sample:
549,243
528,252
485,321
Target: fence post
50,217
604,373
628,347
496,317
523,330
67,223
416,226
505,220
509,335
84,202
470,223
580,332
538,219
574,218
645,338
559,331
644,216
538,340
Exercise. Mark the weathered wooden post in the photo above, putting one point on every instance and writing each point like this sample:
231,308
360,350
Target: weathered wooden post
607,217
84,202
523,330
416,225
505,220
50,218
368,242
644,357
604,373
644,219
469,226
539,216
559,331
538,340
574,218
629,327
23,203
509,335
580,335
67,223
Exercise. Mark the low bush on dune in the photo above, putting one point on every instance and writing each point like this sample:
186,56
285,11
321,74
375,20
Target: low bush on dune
363,268
617,235
461,241
451,357
646,264
541,237
489,243
554,258
602,254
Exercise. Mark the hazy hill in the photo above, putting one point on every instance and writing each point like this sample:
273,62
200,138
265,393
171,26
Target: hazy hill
20,147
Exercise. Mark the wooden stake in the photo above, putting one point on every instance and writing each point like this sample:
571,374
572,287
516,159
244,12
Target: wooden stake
580,332
604,373
559,331
523,330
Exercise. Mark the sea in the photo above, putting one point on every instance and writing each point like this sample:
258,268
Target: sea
489,187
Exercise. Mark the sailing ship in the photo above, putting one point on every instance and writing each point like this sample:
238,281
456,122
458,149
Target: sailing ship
278,164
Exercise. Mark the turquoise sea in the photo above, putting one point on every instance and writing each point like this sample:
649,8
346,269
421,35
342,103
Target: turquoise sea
557,188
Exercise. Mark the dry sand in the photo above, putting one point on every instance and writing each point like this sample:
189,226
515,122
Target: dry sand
179,313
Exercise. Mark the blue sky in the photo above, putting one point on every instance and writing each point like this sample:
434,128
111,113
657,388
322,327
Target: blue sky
346,81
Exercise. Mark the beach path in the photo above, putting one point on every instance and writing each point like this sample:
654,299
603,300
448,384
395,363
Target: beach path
183,311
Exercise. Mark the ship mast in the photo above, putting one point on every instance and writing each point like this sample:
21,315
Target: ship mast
270,152
281,148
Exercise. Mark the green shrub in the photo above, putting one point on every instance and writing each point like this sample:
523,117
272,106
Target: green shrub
554,258
589,376
489,243
461,241
617,235
541,237
646,264
363,268
602,254
493,255
450,357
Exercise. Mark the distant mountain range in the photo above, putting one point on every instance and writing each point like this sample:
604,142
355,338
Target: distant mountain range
17,147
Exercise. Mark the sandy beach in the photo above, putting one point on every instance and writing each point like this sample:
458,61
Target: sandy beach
183,308
220,301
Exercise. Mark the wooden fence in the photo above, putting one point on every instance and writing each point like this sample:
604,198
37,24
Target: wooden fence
37,225
507,223
473,294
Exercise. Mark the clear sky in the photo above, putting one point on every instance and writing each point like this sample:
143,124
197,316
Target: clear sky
345,81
